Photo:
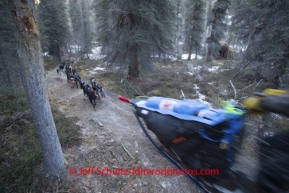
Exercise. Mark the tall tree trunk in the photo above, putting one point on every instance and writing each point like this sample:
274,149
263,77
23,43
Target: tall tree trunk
85,29
35,84
133,69
190,52
211,42
59,53
7,70
258,76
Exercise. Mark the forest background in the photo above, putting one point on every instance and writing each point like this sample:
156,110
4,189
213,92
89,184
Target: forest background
142,44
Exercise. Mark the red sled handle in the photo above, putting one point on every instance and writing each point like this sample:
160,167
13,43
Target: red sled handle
124,99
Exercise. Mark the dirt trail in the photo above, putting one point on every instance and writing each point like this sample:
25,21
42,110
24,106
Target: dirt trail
120,143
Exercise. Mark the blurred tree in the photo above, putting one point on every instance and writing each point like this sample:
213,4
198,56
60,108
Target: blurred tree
139,28
262,26
194,25
209,5
9,72
87,28
179,27
103,26
81,25
53,25
218,27
76,21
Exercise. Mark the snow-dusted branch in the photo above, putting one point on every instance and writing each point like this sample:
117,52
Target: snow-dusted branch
234,89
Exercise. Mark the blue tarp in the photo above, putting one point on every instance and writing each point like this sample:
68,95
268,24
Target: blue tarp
187,109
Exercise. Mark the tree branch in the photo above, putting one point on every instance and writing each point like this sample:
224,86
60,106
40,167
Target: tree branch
234,89
127,151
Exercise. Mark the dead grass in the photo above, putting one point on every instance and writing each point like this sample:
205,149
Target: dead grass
20,152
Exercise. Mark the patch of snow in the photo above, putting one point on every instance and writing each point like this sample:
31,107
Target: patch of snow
224,92
79,123
190,73
96,50
213,68
277,116
185,56
224,70
98,68
73,48
96,53
95,56
268,134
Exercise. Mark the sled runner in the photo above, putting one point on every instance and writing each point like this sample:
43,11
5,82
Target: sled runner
200,137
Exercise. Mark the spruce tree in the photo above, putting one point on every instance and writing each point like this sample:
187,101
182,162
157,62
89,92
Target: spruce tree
81,25
53,24
209,5
102,19
194,25
8,71
87,28
262,26
76,21
218,27
179,28
139,28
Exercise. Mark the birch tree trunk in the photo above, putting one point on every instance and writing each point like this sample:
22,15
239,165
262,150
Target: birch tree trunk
211,42
35,84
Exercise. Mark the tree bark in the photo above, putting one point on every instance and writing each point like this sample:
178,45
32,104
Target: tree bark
210,41
5,66
133,69
59,53
190,53
35,85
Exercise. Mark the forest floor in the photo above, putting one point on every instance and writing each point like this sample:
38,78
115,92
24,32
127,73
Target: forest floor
119,143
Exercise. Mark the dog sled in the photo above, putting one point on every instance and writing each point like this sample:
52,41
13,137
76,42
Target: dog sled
197,137
194,136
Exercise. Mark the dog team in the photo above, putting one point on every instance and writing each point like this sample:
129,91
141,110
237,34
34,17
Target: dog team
93,92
